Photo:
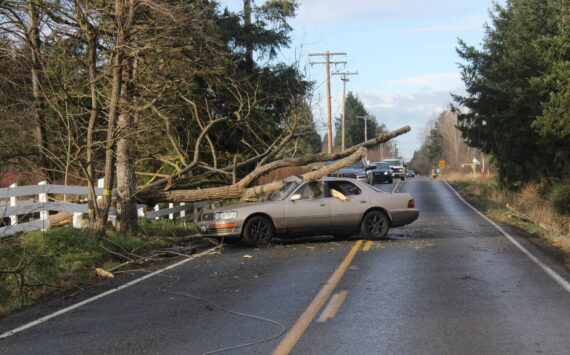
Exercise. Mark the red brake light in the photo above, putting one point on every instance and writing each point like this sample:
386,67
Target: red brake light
411,203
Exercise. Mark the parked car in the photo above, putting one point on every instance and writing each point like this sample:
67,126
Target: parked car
337,206
398,169
410,173
353,171
380,172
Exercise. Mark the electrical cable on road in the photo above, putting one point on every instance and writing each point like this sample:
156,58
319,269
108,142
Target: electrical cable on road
162,289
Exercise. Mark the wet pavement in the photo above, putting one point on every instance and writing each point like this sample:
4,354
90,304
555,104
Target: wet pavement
449,283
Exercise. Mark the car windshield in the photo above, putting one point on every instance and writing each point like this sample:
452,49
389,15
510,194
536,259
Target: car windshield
393,162
382,166
284,192
358,165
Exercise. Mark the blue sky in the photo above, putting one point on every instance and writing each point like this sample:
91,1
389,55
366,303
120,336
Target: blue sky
403,50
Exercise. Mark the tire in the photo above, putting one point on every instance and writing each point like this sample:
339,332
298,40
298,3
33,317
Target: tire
374,225
391,181
258,230
402,178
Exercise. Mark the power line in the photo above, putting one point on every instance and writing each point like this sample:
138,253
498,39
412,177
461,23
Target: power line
344,79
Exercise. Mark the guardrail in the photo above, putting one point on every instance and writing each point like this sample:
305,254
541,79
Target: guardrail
15,208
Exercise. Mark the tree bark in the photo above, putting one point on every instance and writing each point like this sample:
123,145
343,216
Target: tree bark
126,179
38,105
118,62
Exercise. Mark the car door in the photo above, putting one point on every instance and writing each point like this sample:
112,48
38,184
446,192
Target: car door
345,215
310,214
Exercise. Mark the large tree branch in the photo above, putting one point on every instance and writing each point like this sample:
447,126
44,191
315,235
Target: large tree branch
241,190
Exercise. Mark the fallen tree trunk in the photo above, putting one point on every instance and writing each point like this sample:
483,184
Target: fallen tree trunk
241,189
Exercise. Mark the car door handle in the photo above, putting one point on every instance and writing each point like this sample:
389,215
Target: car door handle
322,205
363,201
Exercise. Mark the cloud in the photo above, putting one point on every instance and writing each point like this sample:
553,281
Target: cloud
436,81
416,109
326,13
438,29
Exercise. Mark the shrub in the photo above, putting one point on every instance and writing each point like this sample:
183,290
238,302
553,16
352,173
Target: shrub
560,197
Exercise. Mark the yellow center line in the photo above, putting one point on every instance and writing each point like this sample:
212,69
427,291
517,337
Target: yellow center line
367,246
295,333
334,304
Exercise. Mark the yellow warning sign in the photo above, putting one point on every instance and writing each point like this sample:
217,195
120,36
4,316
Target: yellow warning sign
442,164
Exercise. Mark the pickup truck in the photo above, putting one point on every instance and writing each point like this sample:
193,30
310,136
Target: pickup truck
398,169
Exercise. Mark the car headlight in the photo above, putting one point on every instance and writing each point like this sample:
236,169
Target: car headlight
385,173
225,215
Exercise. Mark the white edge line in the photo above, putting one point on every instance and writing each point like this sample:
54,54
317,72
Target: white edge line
94,298
553,274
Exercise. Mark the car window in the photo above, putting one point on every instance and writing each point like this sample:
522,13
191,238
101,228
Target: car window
311,190
345,187
358,165
382,166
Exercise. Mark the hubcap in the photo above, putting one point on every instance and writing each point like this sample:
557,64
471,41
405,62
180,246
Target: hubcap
375,225
258,230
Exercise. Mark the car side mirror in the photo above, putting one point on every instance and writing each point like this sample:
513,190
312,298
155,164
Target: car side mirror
295,197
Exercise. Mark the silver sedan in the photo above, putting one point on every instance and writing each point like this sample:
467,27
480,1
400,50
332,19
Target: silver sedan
337,206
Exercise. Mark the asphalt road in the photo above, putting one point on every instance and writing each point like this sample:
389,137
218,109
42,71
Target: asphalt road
450,283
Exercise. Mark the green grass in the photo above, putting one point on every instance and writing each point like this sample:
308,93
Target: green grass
36,266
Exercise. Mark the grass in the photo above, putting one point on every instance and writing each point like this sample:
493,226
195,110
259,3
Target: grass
36,266
527,209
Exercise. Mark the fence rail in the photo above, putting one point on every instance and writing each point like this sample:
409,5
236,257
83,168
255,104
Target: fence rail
13,208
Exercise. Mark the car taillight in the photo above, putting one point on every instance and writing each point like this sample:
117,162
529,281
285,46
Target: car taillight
411,203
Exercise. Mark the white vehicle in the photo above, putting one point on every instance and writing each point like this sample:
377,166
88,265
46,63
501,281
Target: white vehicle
398,169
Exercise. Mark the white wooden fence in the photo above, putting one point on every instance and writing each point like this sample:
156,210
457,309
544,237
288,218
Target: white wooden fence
13,207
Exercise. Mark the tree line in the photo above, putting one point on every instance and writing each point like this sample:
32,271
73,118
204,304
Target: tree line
443,141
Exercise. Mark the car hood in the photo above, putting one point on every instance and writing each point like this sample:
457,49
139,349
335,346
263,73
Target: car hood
240,206
381,170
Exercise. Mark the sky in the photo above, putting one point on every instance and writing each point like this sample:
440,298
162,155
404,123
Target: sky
404,52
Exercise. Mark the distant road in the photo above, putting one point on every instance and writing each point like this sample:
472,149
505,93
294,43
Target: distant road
450,283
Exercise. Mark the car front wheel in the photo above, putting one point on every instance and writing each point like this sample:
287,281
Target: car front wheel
374,225
258,231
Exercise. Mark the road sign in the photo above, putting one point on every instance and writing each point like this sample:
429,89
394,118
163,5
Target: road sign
442,164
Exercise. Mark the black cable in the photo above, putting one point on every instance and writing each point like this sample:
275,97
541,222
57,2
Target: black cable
161,288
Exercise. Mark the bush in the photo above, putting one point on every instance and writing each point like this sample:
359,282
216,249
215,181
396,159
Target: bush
560,197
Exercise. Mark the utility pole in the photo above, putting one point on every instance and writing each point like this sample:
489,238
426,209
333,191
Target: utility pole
365,126
327,62
344,79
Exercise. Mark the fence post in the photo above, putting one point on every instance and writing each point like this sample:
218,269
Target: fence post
13,218
183,212
156,208
171,215
100,184
44,213
78,220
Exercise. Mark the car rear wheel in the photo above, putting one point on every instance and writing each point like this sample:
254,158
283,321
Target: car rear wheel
258,230
391,181
374,225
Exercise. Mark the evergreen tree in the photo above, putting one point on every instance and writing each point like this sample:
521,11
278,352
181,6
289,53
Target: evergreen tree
354,126
517,86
